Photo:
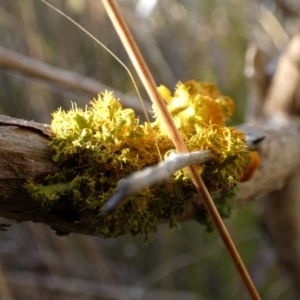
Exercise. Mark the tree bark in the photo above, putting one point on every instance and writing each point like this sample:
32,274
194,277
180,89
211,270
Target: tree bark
24,154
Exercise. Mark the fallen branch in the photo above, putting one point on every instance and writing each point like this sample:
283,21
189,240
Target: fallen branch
154,175
30,67
24,154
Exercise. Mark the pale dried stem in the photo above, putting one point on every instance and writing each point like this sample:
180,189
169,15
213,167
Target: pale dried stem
155,175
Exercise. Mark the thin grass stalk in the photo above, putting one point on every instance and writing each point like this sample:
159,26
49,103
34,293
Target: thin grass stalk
150,86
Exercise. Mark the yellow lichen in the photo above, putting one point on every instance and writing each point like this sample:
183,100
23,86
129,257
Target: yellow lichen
98,146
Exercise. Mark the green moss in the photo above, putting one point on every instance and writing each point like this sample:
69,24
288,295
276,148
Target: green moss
102,144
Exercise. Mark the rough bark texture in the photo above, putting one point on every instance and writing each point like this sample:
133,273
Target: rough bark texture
24,154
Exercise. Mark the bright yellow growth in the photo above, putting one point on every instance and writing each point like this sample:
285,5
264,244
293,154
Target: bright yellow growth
100,145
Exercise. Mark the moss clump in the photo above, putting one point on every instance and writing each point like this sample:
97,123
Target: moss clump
102,144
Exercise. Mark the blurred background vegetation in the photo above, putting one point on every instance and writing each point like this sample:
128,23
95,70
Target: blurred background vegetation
203,40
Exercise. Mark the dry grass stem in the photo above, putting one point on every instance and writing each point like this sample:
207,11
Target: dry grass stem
150,86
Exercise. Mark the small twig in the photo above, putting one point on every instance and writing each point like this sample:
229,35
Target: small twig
154,175
161,172
150,86
15,62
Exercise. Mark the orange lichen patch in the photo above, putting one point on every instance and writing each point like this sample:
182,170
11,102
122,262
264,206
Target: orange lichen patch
200,113
208,89
194,105
203,88
252,166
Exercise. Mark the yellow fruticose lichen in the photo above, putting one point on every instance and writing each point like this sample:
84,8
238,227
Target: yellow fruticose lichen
98,146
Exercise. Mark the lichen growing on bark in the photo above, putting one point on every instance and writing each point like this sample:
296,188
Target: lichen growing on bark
101,144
